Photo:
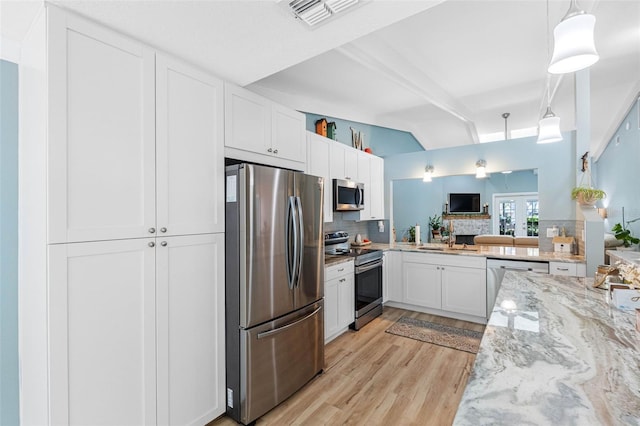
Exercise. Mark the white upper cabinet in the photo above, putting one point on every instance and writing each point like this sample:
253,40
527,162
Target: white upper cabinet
364,176
344,162
190,157
376,188
102,133
318,164
259,130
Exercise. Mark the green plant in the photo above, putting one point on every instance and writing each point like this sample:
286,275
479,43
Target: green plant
412,234
585,195
624,234
435,222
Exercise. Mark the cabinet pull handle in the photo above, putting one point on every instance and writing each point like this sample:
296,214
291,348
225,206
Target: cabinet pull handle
163,244
152,244
341,269
269,150
275,151
563,269
343,280
152,230
347,178
163,229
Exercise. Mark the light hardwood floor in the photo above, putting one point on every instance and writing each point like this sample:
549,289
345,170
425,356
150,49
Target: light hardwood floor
376,378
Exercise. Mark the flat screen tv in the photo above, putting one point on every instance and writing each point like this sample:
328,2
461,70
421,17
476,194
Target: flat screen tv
464,203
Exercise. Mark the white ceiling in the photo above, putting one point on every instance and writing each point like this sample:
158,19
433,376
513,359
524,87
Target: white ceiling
443,70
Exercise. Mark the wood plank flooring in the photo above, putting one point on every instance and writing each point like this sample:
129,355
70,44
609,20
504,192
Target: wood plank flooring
376,378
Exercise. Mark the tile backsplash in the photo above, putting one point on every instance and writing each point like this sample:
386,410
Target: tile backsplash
368,229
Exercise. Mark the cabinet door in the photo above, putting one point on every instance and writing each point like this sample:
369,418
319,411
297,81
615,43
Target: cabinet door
331,297
102,333
288,134
351,164
191,369
421,283
102,133
190,157
392,284
376,188
346,301
364,176
464,290
318,153
337,160
247,120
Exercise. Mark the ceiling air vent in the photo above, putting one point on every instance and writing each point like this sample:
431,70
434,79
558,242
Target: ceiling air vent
313,12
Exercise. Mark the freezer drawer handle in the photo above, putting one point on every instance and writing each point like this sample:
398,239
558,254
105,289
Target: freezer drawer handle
265,334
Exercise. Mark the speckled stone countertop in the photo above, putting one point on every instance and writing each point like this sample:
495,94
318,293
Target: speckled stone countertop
330,259
631,257
512,253
555,352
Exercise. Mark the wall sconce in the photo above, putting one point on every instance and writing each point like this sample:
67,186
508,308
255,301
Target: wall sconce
602,212
428,174
481,171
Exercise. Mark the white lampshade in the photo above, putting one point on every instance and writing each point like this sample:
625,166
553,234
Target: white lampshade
549,128
574,47
481,171
428,173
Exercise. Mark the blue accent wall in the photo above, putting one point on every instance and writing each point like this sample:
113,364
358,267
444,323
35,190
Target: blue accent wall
618,174
382,141
9,406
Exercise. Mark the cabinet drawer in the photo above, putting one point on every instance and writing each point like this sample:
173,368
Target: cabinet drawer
560,268
463,261
334,271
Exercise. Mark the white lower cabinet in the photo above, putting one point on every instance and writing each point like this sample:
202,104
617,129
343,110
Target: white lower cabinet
446,284
392,276
137,331
568,269
339,299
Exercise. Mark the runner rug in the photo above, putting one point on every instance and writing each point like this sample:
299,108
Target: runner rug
437,334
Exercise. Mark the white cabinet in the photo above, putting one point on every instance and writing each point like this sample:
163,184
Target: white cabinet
392,277
339,299
568,269
318,164
190,300
189,150
344,162
259,130
102,333
120,318
448,283
376,191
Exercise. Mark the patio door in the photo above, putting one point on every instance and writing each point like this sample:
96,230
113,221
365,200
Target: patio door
516,214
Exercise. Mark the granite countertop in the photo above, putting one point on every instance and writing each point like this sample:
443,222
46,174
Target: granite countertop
512,253
561,355
626,256
332,259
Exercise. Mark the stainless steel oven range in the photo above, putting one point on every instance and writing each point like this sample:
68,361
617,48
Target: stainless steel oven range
368,276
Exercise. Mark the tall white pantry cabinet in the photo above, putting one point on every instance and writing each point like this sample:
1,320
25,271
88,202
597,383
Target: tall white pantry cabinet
122,231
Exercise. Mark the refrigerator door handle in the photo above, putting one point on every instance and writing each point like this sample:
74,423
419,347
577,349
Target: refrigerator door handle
300,240
289,246
284,327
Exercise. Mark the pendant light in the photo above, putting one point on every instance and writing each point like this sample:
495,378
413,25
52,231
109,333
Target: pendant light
549,125
574,47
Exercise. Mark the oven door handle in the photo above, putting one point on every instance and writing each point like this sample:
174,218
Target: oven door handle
368,266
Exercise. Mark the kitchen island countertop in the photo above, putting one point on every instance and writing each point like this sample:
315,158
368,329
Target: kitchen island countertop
554,352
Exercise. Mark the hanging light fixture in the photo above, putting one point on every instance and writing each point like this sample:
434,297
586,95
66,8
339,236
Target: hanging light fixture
574,47
505,116
428,174
481,171
549,125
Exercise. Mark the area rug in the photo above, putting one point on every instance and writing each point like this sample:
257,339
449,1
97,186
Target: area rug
438,334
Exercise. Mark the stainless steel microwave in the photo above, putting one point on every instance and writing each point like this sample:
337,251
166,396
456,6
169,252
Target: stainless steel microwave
348,195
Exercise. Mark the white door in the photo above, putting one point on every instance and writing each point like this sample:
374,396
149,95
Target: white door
191,368
102,134
516,214
102,333
421,283
247,121
464,290
288,134
190,150
318,152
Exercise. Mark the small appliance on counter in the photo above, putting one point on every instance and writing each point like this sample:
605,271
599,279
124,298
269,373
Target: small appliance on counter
368,275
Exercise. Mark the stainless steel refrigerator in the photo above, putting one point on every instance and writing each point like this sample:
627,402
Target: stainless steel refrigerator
274,286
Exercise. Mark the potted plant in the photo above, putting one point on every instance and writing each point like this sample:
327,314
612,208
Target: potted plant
412,234
435,223
623,234
587,196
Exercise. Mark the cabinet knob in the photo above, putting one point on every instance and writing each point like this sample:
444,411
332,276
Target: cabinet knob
343,280
347,178
152,230
275,151
163,229
269,150
163,244
152,244
341,269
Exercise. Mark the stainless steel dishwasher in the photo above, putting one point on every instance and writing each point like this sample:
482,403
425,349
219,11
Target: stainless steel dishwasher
496,269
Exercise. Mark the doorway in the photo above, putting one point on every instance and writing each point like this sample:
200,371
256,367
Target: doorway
516,214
